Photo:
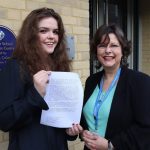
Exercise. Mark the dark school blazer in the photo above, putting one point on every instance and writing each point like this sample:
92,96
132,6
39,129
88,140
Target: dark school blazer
128,125
20,112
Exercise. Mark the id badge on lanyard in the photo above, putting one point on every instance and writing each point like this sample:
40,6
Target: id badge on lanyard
101,98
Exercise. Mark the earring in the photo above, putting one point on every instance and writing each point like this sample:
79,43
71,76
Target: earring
124,60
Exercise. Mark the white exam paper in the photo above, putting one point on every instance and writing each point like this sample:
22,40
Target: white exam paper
64,96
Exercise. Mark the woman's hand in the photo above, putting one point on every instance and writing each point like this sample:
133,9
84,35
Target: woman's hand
94,141
40,80
74,130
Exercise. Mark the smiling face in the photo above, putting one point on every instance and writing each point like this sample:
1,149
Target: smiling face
48,35
109,53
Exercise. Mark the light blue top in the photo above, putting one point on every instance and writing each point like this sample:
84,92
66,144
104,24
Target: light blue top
103,113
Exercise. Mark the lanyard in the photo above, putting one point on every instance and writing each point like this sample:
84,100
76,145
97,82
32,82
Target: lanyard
101,98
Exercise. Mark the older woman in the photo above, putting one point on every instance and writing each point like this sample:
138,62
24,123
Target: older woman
116,112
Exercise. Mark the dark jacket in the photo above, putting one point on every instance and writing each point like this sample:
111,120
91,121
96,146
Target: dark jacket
20,112
128,125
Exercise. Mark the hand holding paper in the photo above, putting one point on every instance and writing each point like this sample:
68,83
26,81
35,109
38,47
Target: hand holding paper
64,96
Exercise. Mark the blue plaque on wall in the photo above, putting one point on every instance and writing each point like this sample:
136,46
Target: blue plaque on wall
7,44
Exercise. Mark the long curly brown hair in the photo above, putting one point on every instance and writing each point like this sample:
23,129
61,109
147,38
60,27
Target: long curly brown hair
27,44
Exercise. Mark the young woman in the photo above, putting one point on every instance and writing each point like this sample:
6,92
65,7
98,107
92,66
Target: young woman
40,48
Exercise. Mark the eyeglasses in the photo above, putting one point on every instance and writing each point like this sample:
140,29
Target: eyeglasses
112,46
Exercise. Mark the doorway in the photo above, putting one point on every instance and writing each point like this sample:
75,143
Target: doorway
122,12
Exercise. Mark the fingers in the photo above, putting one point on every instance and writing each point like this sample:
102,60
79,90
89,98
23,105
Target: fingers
40,80
49,73
71,132
87,134
90,135
94,141
90,145
74,130
79,127
87,140
42,76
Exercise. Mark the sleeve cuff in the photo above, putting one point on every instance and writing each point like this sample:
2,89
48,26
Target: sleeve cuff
36,99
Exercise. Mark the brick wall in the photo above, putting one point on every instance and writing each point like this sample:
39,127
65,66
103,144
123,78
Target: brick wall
75,15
